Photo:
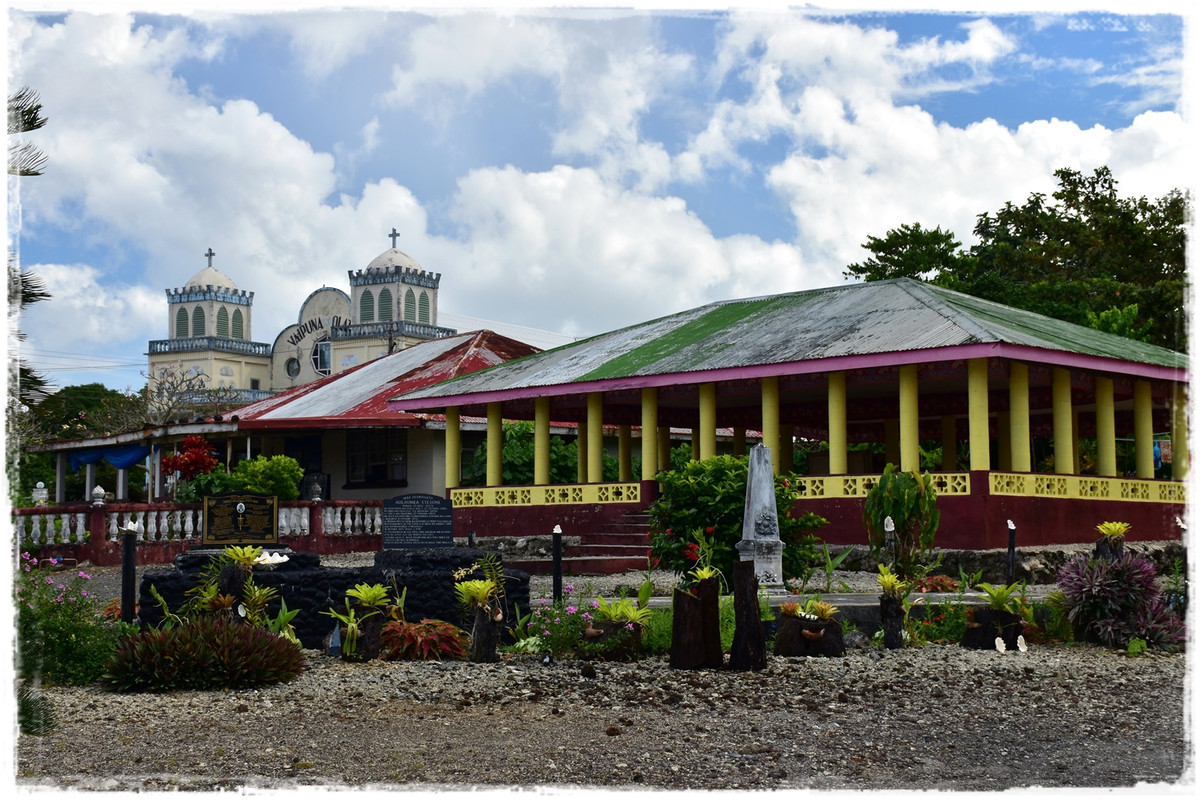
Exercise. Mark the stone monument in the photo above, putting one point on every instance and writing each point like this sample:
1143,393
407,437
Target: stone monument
760,523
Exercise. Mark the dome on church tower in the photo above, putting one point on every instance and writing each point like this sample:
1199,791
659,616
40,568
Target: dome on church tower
211,276
393,258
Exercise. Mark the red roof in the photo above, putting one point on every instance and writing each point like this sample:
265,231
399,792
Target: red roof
357,397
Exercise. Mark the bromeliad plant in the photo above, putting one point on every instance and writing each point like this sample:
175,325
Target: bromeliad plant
1009,599
1114,601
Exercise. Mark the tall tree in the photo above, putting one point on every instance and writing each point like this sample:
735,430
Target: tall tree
1086,256
24,288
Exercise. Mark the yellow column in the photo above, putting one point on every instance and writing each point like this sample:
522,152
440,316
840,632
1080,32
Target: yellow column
495,445
708,420
581,452
649,433
770,418
1018,410
453,449
1143,430
1064,444
541,441
910,445
838,460
1179,433
1076,465
595,462
1106,428
949,443
977,414
739,441
625,454
664,447
695,434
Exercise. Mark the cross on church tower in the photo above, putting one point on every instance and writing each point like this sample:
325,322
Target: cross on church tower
210,255
394,236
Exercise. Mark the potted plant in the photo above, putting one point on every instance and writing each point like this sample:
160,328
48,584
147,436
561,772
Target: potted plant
1001,620
616,630
892,590
1112,540
809,630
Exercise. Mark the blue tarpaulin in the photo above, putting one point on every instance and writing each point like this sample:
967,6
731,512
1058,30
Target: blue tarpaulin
121,457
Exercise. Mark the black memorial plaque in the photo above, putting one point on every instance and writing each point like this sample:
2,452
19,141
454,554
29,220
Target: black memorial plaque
415,521
240,519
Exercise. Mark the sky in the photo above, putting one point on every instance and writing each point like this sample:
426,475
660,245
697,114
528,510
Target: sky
571,170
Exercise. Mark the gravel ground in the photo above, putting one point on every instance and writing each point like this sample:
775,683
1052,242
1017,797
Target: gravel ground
939,717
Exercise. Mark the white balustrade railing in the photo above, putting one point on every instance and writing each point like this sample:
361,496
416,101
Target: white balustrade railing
175,524
51,528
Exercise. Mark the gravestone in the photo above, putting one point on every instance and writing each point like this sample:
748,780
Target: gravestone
760,523
240,518
417,521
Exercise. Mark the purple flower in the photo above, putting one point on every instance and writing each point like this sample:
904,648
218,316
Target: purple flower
571,609
568,588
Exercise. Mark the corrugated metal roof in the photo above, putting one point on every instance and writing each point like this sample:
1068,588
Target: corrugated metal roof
856,320
358,396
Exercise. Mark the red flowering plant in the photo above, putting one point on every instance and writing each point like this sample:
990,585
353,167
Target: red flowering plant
194,458
701,505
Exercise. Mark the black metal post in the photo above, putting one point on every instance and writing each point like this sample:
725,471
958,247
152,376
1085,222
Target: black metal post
1012,551
556,550
129,578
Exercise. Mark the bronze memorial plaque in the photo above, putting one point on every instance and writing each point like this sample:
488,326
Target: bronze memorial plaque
241,519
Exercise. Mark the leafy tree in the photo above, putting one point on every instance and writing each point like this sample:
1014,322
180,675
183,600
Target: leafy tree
1085,255
909,251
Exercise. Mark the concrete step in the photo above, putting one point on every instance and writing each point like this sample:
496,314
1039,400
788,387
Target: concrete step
607,549
633,539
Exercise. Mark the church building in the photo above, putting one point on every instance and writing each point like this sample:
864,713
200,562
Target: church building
392,304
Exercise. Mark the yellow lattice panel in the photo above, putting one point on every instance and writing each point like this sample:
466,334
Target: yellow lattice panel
1135,490
1170,492
547,495
858,485
1008,483
1051,486
1094,488
952,482
811,487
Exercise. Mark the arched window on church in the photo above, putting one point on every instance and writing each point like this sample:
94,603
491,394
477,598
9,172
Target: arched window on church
424,314
238,328
410,306
385,305
181,326
366,307
198,321
222,322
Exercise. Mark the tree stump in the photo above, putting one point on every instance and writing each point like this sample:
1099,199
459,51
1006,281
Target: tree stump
1109,548
749,650
891,619
485,637
696,628
788,641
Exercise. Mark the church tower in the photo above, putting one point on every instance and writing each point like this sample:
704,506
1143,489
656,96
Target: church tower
209,324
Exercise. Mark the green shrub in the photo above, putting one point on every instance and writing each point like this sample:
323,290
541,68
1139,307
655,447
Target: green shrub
910,500
275,475
62,636
427,640
206,652
708,499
